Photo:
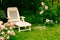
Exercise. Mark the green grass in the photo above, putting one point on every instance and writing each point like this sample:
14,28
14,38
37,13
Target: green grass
50,33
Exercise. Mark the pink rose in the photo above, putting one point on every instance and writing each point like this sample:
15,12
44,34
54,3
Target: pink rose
6,24
10,24
46,7
2,38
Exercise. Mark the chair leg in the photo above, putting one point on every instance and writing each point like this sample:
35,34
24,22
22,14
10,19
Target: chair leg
25,27
30,28
19,29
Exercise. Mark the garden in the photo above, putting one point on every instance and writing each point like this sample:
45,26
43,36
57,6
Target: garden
43,15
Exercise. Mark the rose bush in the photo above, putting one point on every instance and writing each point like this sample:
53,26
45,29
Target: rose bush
6,30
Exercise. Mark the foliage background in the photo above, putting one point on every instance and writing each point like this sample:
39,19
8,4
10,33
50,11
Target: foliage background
30,9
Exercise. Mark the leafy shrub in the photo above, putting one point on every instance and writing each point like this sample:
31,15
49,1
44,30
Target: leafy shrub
2,14
58,13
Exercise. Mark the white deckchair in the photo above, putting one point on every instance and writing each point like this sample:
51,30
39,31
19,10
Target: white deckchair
13,16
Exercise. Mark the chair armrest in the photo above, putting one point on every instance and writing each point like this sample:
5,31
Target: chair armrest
22,18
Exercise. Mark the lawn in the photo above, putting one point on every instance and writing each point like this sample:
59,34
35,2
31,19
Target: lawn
50,33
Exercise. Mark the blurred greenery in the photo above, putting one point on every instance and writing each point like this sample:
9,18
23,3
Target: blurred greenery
31,8
2,14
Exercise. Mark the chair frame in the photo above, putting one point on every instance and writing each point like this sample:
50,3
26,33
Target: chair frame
18,19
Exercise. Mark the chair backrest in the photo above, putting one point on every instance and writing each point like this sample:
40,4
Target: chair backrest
13,14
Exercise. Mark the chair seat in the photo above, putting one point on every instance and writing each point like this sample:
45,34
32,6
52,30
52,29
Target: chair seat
21,24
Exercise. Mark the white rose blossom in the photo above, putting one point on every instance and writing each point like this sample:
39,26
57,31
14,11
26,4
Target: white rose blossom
11,28
42,11
2,32
47,20
8,37
42,3
46,7
11,32
1,22
2,27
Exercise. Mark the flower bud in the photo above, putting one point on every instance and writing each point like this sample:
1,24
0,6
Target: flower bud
42,3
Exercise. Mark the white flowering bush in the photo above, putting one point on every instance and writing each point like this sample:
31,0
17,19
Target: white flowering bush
6,30
49,22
